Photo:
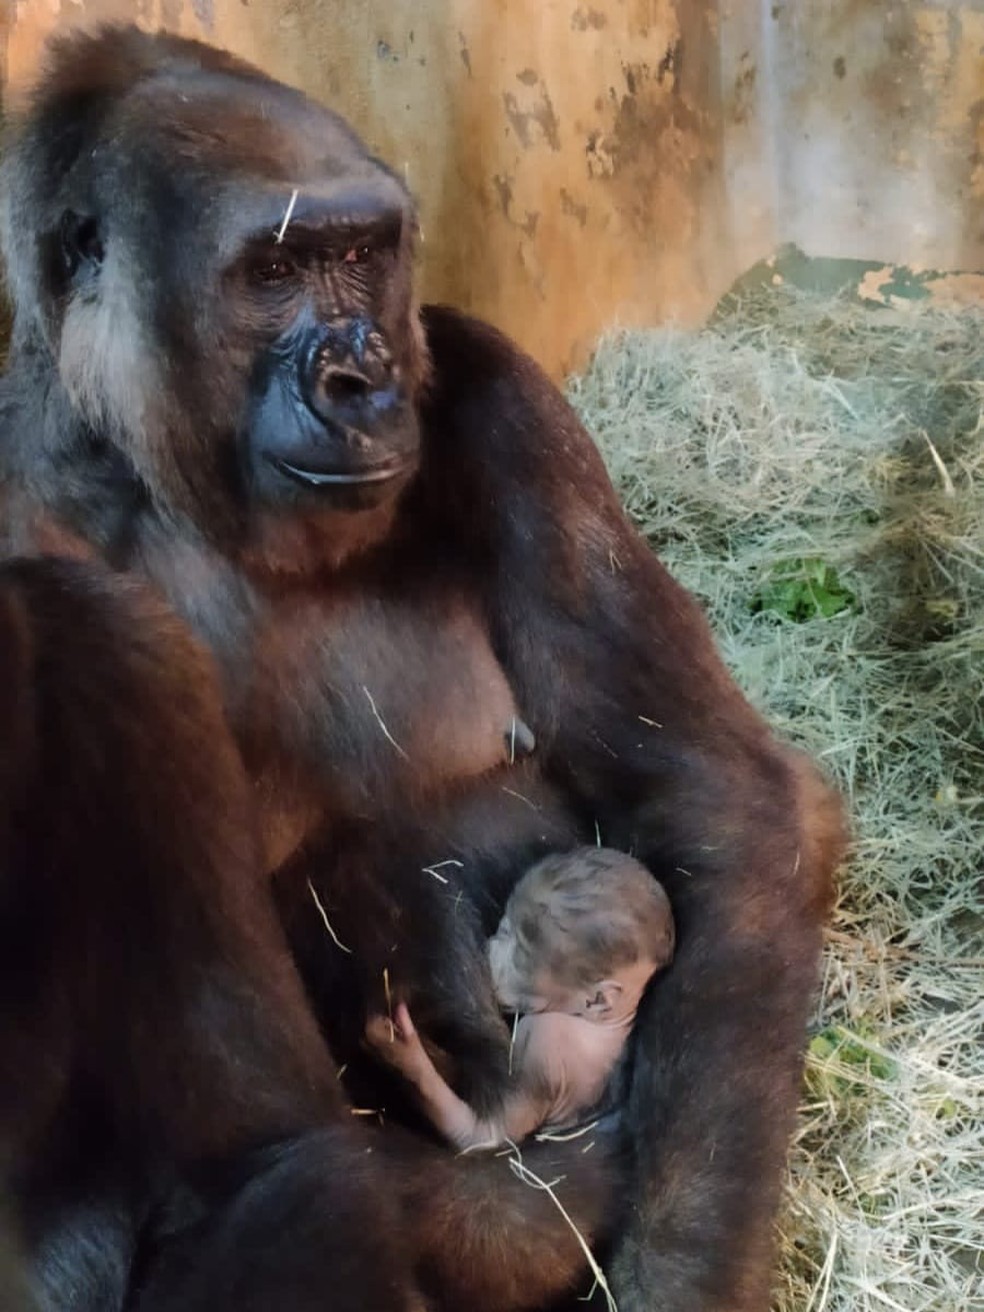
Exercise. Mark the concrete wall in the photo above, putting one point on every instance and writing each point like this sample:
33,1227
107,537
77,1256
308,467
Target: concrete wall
855,128
584,162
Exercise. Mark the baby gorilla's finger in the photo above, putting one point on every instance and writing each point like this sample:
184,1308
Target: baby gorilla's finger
379,1031
402,1022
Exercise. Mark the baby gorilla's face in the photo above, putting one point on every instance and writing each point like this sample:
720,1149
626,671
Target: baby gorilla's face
510,970
519,985
506,976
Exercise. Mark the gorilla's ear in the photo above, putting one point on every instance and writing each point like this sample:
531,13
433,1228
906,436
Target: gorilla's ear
80,249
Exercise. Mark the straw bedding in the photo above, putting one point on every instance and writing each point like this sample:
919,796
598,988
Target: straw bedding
814,471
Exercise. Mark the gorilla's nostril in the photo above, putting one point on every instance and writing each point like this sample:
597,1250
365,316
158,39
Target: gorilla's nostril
344,385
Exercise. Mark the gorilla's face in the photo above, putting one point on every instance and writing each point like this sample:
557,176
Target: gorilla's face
330,406
318,293
228,296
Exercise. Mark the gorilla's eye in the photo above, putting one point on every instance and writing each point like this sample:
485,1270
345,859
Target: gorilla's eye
356,255
90,245
272,269
81,243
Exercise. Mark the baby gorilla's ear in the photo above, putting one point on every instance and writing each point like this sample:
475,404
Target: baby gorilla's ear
603,998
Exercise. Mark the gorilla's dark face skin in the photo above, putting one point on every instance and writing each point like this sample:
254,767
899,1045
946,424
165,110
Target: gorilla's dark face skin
331,404
327,410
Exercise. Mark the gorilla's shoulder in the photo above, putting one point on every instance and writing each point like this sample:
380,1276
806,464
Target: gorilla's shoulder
486,394
468,352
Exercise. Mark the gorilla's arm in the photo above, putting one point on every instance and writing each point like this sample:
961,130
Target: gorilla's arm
160,1072
617,673
130,859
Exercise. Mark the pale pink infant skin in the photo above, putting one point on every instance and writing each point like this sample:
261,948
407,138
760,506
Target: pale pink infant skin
563,1055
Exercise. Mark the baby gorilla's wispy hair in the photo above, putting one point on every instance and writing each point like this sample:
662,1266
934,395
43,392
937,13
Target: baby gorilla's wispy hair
584,914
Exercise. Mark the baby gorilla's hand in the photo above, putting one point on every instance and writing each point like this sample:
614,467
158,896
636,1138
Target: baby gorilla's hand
398,1043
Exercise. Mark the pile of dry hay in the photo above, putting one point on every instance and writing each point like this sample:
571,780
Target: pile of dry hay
814,472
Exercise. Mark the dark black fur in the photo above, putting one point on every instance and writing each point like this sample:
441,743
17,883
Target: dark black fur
395,537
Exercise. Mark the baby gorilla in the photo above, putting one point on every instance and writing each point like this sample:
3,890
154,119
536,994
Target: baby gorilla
581,936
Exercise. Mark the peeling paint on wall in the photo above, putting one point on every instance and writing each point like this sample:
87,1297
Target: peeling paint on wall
579,164
864,137
561,164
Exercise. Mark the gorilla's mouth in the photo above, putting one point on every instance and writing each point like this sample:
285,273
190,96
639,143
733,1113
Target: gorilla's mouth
380,473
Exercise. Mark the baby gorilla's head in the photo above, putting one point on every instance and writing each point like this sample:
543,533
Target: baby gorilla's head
582,933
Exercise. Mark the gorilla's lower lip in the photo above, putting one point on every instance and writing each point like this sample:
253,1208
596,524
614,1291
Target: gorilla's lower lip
348,478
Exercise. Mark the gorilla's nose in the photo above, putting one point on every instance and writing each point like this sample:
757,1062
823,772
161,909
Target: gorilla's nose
347,376
350,399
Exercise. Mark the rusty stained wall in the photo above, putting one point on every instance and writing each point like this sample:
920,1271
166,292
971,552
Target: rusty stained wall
564,154
585,162
855,128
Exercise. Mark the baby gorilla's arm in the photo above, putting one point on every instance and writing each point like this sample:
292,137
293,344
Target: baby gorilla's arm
398,1043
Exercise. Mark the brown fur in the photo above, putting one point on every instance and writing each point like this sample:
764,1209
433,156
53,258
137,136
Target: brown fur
209,1051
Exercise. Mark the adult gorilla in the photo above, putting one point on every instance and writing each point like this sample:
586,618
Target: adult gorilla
395,539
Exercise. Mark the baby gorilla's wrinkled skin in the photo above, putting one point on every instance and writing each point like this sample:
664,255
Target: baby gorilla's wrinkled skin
573,976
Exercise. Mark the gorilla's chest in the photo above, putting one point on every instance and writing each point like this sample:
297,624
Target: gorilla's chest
375,694
366,705
352,700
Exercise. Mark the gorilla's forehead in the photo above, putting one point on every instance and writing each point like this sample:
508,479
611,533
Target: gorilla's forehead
231,126
224,154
